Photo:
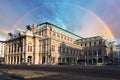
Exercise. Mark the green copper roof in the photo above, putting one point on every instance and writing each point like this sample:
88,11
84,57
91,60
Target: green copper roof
90,38
60,30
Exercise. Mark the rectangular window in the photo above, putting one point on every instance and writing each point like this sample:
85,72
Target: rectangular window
81,44
65,37
59,60
99,52
59,49
53,47
29,48
72,51
94,43
58,35
85,44
61,36
99,42
65,50
14,47
63,60
50,32
90,44
39,32
21,49
9,48
90,53
68,38
54,34
53,59
69,51
94,52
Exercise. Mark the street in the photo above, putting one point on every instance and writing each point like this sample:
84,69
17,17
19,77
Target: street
48,72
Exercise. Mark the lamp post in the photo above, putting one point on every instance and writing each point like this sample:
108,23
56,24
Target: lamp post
50,47
84,54
20,46
97,58
85,58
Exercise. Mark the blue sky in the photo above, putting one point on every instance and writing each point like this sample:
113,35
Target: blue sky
73,15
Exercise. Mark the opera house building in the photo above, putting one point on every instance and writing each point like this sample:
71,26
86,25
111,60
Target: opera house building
47,43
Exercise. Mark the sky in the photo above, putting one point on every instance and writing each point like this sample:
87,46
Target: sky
85,18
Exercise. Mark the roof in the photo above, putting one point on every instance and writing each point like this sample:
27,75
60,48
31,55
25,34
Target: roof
2,41
90,38
59,29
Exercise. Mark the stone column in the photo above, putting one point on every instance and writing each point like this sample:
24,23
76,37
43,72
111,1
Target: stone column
10,60
97,57
61,59
102,56
65,60
6,59
16,60
13,59
20,58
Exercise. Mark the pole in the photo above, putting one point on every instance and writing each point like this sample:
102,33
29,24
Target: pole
97,58
85,59
50,45
24,50
20,46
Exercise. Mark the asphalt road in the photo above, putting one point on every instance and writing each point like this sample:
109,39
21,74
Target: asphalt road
69,72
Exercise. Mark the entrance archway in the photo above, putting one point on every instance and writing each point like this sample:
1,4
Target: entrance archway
43,59
69,60
100,60
29,59
94,61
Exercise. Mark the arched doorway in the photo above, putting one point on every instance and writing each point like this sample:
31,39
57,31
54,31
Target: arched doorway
100,60
69,60
29,59
43,59
94,61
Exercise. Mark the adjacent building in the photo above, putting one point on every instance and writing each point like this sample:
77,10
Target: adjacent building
95,50
2,48
114,52
118,52
2,52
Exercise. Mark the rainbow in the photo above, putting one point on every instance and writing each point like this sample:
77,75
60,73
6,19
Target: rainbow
107,32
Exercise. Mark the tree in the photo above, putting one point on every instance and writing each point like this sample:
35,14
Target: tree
10,34
28,27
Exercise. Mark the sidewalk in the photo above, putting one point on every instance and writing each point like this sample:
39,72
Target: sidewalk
23,74
44,75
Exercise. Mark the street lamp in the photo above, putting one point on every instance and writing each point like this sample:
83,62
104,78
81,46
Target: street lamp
84,54
20,46
85,58
97,58
49,56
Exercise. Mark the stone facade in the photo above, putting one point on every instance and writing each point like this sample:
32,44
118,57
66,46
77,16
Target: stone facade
2,48
47,43
95,49
43,44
